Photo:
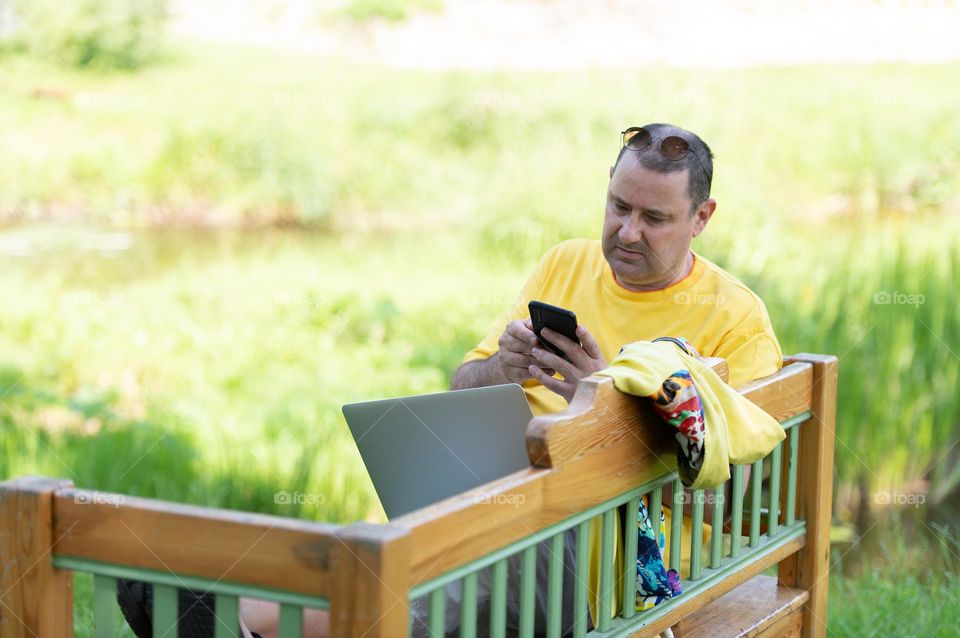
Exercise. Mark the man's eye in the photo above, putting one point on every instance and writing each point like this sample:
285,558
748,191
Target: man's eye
622,207
654,220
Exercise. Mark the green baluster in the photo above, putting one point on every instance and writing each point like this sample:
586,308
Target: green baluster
792,475
580,609
676,525
696,534
555,587
528,583
291,621
716,531
656,503
438,611
104,604
756,480
228,624
628,608
736,515
607,540
773,516
498,600
164,611
468,607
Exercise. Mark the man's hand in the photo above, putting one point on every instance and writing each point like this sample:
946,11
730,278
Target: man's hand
515,355
584,361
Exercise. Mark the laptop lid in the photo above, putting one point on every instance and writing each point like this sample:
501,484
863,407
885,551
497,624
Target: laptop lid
422,449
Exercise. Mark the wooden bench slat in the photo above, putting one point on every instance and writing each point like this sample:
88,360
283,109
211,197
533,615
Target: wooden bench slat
752,609
267,551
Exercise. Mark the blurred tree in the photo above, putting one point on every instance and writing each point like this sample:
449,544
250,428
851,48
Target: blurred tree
111,34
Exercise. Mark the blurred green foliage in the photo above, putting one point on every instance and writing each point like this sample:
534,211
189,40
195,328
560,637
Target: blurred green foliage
389,10
104,34
255,137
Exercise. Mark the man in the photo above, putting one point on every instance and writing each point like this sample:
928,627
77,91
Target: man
639,282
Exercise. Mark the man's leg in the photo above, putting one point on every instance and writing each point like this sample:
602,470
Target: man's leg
263,618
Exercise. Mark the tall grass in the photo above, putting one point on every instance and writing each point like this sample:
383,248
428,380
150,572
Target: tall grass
885,303
909,587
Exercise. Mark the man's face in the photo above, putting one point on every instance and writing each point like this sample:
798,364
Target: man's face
647,226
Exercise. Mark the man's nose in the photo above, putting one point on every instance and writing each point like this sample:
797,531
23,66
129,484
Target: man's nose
631,232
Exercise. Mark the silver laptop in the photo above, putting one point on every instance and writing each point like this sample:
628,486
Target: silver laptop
421,449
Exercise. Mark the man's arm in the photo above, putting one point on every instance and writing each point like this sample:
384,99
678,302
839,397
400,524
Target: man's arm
509,364
478,374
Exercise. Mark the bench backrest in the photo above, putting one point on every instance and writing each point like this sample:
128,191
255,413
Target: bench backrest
600,455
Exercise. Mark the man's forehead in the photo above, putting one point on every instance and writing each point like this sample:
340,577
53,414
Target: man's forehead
631,180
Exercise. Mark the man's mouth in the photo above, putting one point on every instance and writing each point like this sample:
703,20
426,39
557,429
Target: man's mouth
630,253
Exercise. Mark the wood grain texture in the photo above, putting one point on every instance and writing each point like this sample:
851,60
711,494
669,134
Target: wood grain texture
371,582
36,600
755,608
267,551
787,626
810,569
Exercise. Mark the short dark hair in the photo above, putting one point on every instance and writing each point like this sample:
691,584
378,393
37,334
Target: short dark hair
698,181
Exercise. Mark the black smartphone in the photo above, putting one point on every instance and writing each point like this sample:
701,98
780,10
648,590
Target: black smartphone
560,320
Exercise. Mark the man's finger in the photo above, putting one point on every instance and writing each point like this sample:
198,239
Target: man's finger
548,381
563,343
589,343
520,331
547,359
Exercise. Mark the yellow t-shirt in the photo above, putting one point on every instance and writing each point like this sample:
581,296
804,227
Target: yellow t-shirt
709,307
714,311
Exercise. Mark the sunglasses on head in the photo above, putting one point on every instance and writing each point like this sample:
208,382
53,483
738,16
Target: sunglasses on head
673,147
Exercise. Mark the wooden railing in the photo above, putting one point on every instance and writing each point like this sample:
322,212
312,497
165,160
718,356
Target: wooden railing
600,455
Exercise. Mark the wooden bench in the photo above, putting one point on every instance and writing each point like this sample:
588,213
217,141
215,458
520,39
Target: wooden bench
597,456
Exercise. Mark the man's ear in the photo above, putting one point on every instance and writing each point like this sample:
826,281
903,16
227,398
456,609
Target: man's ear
703,215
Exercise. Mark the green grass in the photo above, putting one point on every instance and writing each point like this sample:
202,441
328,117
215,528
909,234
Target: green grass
909,585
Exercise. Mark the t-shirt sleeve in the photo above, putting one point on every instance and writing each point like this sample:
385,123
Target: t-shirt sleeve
751,350
750,356
530,291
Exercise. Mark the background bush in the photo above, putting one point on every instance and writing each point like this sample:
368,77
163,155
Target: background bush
107,34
